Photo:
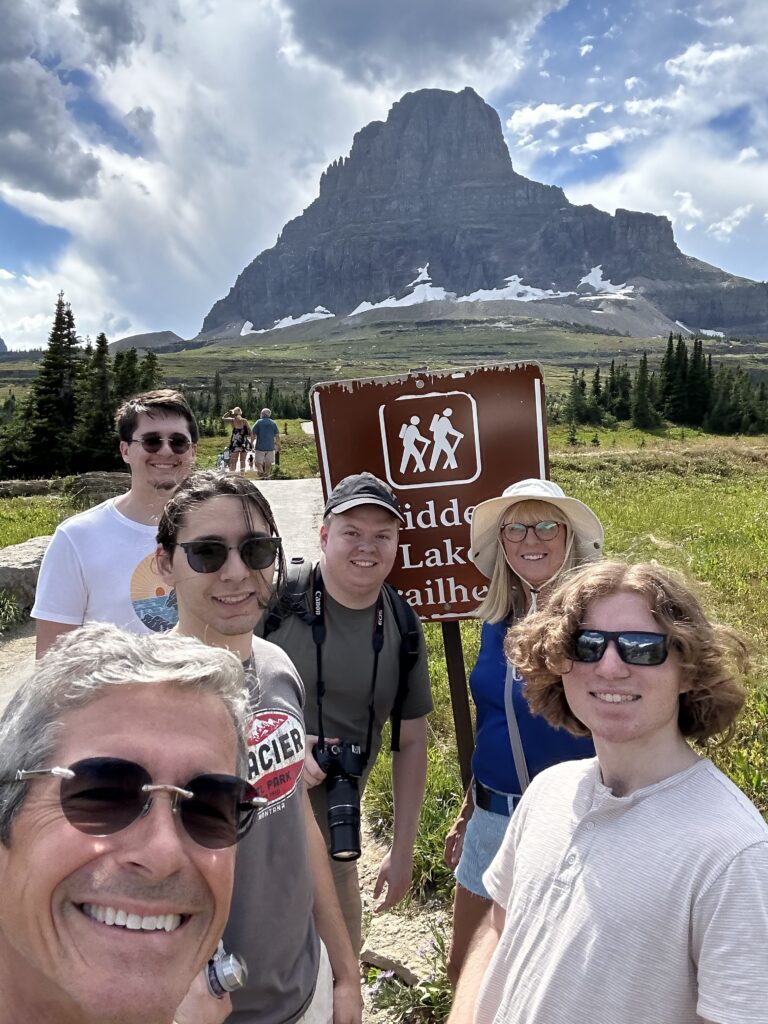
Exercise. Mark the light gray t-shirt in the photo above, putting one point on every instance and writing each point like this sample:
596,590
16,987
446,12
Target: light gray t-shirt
645,909
271,922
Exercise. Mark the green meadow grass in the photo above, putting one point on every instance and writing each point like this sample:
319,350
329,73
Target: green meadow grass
24,518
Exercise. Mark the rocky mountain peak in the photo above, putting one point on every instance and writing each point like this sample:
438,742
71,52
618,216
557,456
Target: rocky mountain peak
434,185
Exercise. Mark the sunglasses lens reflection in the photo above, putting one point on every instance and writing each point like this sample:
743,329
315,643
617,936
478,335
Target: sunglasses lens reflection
178,443
259,552
105,796
634,648
210,555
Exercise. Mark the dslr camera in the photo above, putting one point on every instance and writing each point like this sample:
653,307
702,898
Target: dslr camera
343,764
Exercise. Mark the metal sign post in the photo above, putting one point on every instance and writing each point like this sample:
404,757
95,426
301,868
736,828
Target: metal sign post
444,441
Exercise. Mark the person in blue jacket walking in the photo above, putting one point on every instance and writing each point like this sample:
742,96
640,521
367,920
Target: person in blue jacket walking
522,541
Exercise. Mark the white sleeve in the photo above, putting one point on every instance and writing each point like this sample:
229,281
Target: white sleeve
729,928
61,594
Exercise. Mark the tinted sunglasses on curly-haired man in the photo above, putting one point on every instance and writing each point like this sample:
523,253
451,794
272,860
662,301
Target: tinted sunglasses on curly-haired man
100,796
635,648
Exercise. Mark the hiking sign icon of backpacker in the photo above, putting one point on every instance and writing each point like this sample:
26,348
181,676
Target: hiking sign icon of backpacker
430,439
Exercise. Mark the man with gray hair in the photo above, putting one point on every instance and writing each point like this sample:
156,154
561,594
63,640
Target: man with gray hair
266,443
121,801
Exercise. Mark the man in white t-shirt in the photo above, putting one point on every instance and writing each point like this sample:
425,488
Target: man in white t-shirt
100,564
633,887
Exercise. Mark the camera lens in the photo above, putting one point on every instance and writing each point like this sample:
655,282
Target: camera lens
343,817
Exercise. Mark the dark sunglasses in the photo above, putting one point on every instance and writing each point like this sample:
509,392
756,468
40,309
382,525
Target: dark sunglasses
548,529
103,795
634,648
210,555
152,443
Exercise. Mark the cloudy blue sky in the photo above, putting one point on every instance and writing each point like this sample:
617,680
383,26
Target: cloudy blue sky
149,151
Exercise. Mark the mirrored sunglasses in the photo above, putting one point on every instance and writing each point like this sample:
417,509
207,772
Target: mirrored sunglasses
548,529
152,443
634,648
100,796
210,555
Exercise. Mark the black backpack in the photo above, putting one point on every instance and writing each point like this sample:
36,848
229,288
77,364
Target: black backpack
292,601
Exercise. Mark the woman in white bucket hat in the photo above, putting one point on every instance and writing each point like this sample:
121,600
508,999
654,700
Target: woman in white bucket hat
522,541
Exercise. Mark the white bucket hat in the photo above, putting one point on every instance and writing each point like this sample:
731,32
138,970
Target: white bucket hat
487,516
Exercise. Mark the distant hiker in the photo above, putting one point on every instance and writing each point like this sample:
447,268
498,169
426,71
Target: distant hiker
360,652
266,438
100,564
523,541
631,887
238,443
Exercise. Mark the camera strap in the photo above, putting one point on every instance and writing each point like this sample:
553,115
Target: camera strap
316,619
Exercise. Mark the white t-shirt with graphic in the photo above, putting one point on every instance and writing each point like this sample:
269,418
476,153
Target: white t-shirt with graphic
100,567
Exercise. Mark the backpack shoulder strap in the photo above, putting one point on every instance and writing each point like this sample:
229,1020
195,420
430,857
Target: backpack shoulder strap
410,638
291,599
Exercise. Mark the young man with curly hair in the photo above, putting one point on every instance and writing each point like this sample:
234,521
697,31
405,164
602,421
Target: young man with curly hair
632,887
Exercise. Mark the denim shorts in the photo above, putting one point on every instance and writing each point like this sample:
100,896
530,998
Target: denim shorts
482,840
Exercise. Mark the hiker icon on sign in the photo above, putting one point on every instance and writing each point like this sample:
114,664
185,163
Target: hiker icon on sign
431,439
442,428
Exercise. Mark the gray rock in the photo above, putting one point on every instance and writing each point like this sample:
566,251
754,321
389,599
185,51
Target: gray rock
28,488
435,183
19,568
89,489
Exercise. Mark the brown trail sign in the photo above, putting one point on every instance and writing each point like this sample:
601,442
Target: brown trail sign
445,441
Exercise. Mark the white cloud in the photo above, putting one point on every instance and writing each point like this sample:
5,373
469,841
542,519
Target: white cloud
595,141
750,153
527,118
6,275
698,64
584,50
723,229
686,205
632,83
719,185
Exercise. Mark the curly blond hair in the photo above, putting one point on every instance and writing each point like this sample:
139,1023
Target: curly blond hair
712,657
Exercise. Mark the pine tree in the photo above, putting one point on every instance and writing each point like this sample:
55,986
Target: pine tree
127,380
643,416
677,404
576,406
666,373
623,405
51,410
94,436
150,374
698,386
216,410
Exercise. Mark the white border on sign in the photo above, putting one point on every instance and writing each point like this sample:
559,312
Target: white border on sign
432,483
320,433
540,428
